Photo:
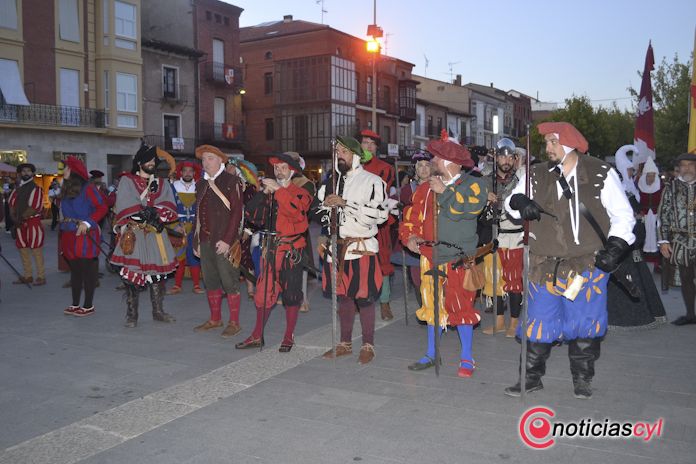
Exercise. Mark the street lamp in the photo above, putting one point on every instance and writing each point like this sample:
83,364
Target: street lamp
373,47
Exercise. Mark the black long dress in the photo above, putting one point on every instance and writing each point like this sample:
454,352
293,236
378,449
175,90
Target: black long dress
629,313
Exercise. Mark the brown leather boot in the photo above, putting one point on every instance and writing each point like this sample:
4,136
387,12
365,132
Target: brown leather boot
342,349
499,326
385,312
512,328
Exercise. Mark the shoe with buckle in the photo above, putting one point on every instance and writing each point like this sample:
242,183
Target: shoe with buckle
208,325
342,349
198,290
82,312
39,281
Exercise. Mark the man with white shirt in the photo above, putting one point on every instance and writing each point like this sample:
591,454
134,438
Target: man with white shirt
570,261
360,199
676,234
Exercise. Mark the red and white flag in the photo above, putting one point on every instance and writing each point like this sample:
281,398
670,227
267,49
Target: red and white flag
644,135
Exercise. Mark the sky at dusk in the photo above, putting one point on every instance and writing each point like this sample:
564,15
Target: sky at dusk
556,48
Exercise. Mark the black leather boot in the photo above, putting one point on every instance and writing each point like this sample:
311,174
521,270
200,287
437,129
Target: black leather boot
583,352
157,298
537,354
132,297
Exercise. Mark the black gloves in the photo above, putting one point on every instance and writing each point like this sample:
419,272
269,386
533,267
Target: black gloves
528,208
151,217
611,256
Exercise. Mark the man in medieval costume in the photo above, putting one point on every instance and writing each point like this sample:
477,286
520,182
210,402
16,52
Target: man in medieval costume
217,236
281,210
369,142
509,236
360,201
573,249
26,209
187,173
460,198
144,204
677,232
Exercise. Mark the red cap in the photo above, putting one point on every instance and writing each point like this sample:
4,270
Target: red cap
370,134
450,151
189,164
76,166
568,135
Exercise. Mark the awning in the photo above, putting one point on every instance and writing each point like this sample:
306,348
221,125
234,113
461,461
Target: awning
11,84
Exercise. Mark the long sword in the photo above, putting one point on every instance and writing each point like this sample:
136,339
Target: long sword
333,225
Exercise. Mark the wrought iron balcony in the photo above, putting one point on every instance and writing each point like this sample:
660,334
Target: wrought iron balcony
224,74
222,132
48,115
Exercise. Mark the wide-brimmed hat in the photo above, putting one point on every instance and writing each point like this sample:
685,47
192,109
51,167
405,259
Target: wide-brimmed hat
210,149
26,165
286,158
76,166
96,173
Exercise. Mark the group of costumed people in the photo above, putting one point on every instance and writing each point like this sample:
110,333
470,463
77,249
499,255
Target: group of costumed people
461,230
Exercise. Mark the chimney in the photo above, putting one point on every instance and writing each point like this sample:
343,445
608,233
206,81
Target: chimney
287,18
458,80
491,85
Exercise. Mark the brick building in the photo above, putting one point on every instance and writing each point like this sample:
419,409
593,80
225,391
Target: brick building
206,31
70,82
307,83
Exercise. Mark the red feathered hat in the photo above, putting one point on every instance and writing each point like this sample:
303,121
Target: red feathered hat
76,166
568,135
188,164
451,151
370,135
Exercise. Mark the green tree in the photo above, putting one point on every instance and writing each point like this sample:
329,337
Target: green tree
670,83
606,129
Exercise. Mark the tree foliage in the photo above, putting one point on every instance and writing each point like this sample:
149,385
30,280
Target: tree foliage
606,129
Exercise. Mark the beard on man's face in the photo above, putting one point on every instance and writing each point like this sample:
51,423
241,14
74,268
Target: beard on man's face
148,168
187,178
26,177
342,166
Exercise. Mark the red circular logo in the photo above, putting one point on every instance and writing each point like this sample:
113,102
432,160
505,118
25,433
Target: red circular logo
535,427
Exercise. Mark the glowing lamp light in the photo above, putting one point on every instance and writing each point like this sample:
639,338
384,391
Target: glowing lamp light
372,46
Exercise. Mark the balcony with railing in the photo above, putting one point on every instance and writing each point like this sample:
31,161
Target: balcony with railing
223,74
234,134
49,115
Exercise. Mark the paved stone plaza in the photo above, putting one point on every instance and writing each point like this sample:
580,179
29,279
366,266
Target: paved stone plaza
90,391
